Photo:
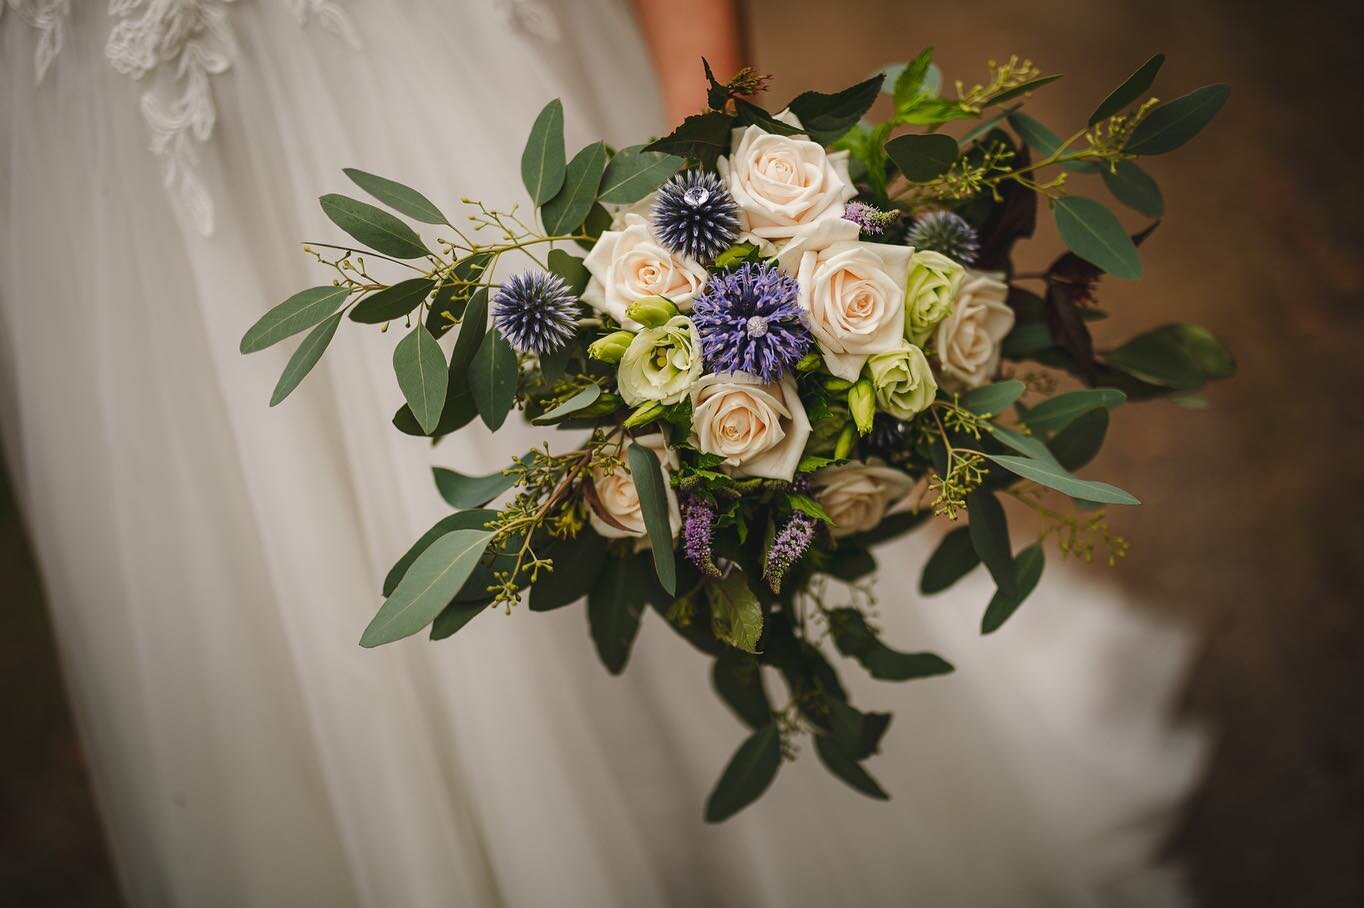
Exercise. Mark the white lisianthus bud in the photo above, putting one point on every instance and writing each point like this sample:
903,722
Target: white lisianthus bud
929,292
612,347
862,405
903,381
661,363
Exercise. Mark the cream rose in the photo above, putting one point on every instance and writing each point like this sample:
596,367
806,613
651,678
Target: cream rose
969,338
614,510
629,264
853,293
661,363
760,429
932,286
857,495
783,184
903,381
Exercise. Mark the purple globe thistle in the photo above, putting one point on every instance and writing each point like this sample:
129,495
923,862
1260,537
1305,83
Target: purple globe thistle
698,524
749,321
694,215
536,312
872,220
787,548
945,232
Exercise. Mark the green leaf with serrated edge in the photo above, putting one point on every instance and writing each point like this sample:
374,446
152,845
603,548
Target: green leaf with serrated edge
301,311
826,117
579,401
1134,188
1172,124
807,505
373,227
993,398
1027,87
422,375
1053,476
402,199
305,357
736,614
634,173
455,615
990,536
1079,443
1055,413
1093,233
1132,88
751,769
909,82
577,564
1043,141
809,463
492,379
701,137
392,302
738,680
570,268
542,160
614,607
429,584
463,491
1027,571
464,520
847,769
653,504
569,208
749,114
922,157
953,559
854,638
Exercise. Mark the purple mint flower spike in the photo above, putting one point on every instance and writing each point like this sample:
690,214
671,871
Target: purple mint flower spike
698,516
749,321
872,220
787,548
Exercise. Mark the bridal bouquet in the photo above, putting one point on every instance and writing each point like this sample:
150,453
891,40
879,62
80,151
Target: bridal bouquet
773,341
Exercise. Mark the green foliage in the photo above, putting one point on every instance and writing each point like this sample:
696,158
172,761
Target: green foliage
577,562
373,227
634,173
304,358
570,268
580,401
454,616
1179,357
402,199
464,520
854,638
701,138
1132,88
1172,124
542,161
953,559
392,302
463,491
989,531
429,584
1027,570
614,607
571,205
1043,141
736,614
738,680
847,769
301,311
422,375
827,117
651,485
988,400
922,157
492,379
749,772
1134,188
1055,413
1054,476
1093,233
1079,443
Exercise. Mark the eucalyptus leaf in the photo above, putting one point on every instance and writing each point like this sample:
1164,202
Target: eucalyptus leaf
1055,413
922,157
1181,357
990,536
1132,88
1134,188
305,357
634,173
422,375
1027,571
1043,141
452,301
464,520
1026,88
301,311
463,491
542,161
1079,443
492,379
1172,124
427,587
579,401
653,502
402,199
392,302
846,768
373,227
614,607
455,615
473,327
992,399
1054,476
749,773
1094,234
1027,445
953,559
577,564
570,268
854,638
738,680
569,208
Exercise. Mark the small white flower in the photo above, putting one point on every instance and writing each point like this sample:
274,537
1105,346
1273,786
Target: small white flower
760,429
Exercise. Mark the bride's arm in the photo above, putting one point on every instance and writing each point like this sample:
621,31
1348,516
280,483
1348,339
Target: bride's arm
679,35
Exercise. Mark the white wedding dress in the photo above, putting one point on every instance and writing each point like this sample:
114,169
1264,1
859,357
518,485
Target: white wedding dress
210,562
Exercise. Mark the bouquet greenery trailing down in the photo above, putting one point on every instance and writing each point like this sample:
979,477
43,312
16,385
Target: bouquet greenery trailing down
776,341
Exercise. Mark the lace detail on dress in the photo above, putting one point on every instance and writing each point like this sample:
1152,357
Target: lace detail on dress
48,17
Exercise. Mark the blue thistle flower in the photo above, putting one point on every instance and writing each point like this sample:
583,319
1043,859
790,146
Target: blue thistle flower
694,215
872,220
536,312
698,524
787,548
749,321
948,233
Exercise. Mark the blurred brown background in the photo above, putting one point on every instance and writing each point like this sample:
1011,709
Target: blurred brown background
1248,534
